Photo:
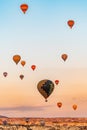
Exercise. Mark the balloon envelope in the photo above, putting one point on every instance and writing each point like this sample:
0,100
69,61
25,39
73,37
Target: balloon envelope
27,120
21,76
45,87
5,74
70,23
74,106
24,7
4,122
56,82
16,58
59,104
33,67
64,56
42,122
23,62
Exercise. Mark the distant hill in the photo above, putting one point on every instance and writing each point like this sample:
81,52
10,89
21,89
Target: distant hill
3,116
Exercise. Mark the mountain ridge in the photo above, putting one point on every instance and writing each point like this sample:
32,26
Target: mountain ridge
3,116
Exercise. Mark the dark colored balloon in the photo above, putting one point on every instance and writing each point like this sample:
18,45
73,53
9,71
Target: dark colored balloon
5,74
45,87
4,122
21,76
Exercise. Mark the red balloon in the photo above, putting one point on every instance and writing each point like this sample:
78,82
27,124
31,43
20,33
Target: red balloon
24,8
5,74
56,82
70,23
33,67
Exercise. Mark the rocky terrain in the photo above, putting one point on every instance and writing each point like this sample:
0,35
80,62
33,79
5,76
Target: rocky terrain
43,123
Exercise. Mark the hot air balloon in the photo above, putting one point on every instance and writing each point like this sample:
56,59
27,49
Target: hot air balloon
56,82
27,120
64,56
33,67
74,106
70,23
23,62
21,76
5,122
5,74
45,87
59,104
16,58
24,7
42,122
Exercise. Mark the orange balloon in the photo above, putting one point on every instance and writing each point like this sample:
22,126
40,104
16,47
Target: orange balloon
74,106
59,104
70,23
24,8
5,74
64,56
23,62
33,67
16,58
56,82
21,76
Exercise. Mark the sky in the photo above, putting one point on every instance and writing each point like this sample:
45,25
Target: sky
40,37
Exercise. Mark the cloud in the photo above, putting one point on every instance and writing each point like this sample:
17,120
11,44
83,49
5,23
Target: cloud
24,108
